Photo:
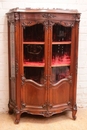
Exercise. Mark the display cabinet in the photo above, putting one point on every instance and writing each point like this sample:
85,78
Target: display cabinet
43,59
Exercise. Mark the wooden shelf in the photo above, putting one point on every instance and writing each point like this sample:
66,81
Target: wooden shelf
41,43
33,64
62,42
59,64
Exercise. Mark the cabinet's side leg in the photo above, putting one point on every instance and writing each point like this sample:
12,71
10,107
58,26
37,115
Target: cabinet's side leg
74,111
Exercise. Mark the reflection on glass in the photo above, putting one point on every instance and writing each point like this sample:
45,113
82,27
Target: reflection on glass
61,54
34,73
33,53
33,33
59,73
61,33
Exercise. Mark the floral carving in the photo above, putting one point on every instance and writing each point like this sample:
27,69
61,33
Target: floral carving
48,16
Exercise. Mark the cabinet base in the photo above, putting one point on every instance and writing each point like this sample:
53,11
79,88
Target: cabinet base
45,114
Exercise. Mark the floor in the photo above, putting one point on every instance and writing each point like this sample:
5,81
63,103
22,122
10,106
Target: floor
61,121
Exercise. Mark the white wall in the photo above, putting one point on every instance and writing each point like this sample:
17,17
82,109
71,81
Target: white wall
81,5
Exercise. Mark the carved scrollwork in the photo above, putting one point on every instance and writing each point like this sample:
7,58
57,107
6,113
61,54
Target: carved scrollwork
47,105
48,15
22,80
29,23
77,17
46,23
68,103
70,79
16,16
75,107
76,65
16,110
23,105
16,67
47,113
66,23
51,23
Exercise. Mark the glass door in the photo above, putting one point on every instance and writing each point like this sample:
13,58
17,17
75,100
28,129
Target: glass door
33,67
60,87
61,52
33,50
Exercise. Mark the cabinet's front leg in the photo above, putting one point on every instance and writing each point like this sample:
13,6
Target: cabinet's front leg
74,111
18,114
17,119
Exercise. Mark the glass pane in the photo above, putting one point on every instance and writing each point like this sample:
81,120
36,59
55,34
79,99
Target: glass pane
59,73
33,53
61,54
34,73
61,33
33,33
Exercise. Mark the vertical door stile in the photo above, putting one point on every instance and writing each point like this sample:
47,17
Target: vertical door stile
46,61
75,31
73,59
49,62
17,40
21,46
50,51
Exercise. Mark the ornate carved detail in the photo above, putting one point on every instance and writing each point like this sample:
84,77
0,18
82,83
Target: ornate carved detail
29,23
48,16
16,16
16,67
70,79
46,23
47,105
16,110
77,17
23,105
66,23
68,103
10,18
51,23
75,107
47,113
22,80
76,65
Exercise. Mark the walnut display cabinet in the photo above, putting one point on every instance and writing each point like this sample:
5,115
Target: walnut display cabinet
43,55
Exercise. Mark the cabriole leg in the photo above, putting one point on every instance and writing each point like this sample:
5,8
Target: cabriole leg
74,111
